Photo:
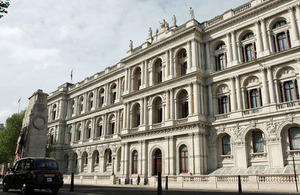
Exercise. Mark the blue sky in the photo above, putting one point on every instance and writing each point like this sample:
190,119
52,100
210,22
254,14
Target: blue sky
42,41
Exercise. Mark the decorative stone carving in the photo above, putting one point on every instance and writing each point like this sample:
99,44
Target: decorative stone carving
192,15
237,131
174,20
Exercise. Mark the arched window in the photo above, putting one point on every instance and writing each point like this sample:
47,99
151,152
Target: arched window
226,148
75,160
253,96
134,162
248,47
158,72
51,139
84,159
157,110
99,127
101,98
294,138
80,105
72,107
78,132
182,62
281,36
96,157
183,104
183,159
137,79
88,130
90,101
111,125
108,156
136,115
54,110
220,57
113,93
157,162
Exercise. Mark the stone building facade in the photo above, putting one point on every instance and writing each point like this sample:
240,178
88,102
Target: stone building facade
217,97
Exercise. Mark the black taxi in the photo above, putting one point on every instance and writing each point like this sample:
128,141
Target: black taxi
34,173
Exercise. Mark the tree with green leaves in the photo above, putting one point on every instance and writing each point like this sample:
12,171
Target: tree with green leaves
3,6
9,137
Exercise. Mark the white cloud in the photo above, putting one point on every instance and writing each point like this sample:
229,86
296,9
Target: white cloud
42,41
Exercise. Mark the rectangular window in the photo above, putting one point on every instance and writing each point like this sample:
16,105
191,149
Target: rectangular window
258,142
226,149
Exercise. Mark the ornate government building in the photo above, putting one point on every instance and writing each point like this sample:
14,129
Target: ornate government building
219,97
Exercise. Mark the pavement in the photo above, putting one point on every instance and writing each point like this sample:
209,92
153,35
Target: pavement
134,190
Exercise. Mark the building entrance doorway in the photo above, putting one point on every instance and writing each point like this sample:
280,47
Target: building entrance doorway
157,162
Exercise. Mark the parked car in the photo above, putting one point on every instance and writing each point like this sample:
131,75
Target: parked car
34,173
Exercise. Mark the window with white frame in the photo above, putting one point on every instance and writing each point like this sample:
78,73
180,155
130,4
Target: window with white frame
220,57
281,36
248,47
182,62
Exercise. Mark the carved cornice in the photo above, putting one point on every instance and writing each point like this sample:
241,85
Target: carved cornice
162,132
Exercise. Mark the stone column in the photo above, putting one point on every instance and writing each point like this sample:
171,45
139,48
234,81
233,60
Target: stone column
93,126
229,50
145,111
167,65
146,74
294,31
259,41
172,149
202,97
191,99
298,16
194,64
150,76
172,64
233,95
150,115
192,157
196,98
167,111
172,109
126,79
210,68
142,111
265,95
106,94
264,37
128,116
234,48
238,92
126,160
211,109
144,158
189,54
271,85
197,154
143,74
104,124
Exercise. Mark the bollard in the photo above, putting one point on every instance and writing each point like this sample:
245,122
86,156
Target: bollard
166,182
131,181
239,184
159,189
72,183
